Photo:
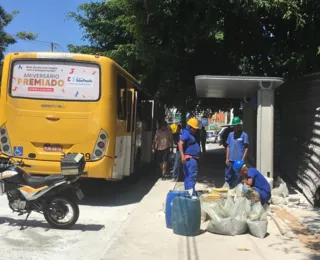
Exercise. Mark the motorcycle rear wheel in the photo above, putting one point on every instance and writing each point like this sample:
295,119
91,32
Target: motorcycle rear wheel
58,209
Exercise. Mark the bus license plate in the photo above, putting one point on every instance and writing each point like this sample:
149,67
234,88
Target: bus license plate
80,194
52,148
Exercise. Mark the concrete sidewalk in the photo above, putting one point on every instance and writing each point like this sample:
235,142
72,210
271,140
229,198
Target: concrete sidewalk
145,235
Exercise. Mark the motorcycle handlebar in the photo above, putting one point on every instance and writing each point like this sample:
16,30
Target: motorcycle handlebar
22,164
17,163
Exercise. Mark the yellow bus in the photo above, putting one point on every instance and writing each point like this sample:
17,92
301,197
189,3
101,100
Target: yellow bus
53,104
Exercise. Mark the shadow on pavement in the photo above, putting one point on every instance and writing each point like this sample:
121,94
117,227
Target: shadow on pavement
42,224
306,228
287,248
112,194
211,167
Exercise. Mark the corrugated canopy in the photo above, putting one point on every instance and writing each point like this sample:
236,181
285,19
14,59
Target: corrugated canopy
233,86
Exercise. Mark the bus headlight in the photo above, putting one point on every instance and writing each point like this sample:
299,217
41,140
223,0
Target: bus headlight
4,141
100,146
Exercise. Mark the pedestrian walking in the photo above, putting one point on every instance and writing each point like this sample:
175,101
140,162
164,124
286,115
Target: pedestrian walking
203,138
162,146
190,154
176,139
237,149
253,179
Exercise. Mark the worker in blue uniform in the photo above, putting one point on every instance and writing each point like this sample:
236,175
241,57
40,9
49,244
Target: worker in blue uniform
253,179
237,149
190,153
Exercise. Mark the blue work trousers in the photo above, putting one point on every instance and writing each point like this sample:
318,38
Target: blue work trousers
190,170
230,176
264,196
176,166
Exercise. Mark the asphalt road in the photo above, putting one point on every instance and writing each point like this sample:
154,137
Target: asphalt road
105,208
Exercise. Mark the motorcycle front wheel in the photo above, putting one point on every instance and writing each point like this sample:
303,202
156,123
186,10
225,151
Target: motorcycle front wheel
63,212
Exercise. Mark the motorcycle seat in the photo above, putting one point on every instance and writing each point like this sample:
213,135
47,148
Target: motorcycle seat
38,181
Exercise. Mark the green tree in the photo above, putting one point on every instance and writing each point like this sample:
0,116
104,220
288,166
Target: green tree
238,37
109,28
6,38
185,39
111,31
167,43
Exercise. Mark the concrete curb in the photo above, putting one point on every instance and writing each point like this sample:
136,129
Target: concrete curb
127,221
142,210
283,226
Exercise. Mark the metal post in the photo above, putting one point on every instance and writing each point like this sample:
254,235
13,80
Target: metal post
51,46
265,132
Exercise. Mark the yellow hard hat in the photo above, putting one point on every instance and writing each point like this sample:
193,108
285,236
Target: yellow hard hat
193,122
174,128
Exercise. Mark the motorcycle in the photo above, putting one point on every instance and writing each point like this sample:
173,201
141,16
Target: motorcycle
54,196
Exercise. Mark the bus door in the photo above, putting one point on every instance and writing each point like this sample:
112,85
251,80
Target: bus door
147,115
132,96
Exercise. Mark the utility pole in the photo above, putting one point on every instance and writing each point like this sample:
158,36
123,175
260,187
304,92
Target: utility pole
51,46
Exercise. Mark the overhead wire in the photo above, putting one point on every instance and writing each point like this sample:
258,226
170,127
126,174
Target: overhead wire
42,43
59,46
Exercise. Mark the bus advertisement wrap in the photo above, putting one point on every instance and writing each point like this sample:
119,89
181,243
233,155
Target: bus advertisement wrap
55,80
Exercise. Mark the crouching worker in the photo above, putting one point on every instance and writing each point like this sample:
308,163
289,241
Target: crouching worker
189,154
253,179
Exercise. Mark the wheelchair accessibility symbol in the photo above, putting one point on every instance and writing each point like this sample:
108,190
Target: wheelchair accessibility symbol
18,151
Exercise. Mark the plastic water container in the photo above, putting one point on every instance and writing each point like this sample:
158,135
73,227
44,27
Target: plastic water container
186,216
170,197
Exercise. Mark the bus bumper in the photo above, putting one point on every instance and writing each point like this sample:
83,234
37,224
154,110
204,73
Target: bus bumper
101,169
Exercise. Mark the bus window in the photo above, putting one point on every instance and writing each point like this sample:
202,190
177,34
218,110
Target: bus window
54,80
121,91
129,111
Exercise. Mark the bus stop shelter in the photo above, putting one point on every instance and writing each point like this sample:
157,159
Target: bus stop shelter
244,88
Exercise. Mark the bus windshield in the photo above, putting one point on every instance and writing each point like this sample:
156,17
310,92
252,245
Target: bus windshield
55,80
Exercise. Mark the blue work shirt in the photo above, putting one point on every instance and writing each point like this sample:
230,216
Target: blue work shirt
191,147
237,147
258,180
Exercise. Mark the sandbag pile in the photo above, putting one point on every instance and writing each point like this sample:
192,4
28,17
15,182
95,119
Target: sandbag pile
235,215
257,220
280,194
